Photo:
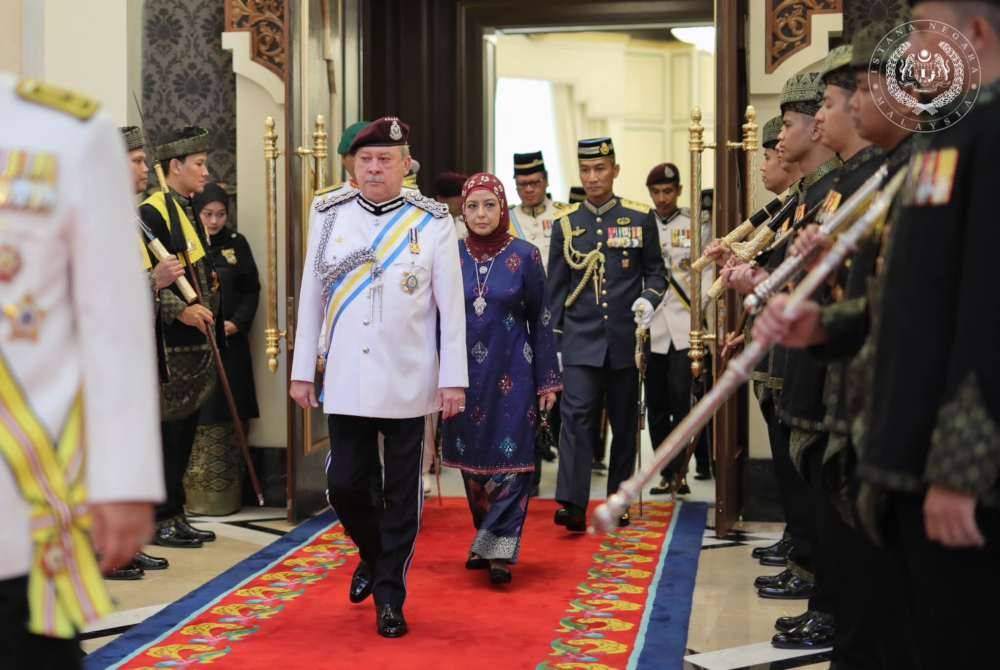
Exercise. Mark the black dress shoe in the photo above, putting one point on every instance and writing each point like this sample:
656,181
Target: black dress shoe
663,488
795,588
778,548
624,520
476,563
126,573
575,520
683,489
167,536
599,467
786,624
772,580
391,622
147,562
185,529
500,576
816,632
773,561
549,455
361,583
702,475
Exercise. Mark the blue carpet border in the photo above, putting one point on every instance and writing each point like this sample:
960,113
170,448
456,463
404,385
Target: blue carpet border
142,635
666,630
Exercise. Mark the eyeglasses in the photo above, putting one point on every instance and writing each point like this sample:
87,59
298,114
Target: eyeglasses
534,183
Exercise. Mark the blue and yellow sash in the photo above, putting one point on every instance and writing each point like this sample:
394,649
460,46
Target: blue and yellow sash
65,588
388,245
518,230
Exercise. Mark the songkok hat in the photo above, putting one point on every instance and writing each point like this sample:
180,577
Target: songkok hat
837,69
449,184
664,173
388,131
598,147
802,94
577,194
347,139
529,163
769,136
865,41
184,142
133,137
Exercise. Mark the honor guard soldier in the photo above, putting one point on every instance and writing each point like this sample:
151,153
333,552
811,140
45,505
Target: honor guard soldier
606,274
448,190
80,452
346,160
533,218
381,266
668,377
187,366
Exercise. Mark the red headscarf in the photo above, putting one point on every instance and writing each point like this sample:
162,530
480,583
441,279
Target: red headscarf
484,246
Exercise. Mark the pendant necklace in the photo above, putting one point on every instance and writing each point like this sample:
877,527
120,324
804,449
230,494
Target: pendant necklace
482,276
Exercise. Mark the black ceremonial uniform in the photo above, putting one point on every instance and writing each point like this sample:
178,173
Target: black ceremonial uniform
933,414
593,317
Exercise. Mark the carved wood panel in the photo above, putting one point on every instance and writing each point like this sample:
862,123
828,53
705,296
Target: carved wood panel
265,21
789,27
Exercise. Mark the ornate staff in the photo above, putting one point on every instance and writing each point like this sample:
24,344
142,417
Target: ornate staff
739,369
641,336
227,390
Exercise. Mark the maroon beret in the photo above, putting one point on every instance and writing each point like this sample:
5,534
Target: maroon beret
388,131
449,184
664,173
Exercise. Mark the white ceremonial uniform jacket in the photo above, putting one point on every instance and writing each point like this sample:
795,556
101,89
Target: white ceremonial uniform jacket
672,319
383,358
534,224
77,309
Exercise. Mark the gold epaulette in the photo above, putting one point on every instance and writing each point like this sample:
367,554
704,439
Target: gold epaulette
60,99
566,210
560,205
637,206
328,189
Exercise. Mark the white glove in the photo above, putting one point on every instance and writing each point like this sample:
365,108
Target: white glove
643,311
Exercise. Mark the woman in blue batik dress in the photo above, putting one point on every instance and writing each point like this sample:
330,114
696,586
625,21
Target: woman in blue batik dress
513,373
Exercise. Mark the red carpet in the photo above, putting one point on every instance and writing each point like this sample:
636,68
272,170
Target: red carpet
577,601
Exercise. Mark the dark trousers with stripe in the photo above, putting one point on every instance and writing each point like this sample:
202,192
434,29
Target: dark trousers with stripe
178,441
21,650
384,533
584,391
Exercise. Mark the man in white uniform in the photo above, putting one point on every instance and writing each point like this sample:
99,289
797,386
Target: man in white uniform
79,441
532,219
380,269
668,376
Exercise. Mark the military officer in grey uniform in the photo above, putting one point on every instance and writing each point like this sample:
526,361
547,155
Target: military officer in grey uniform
606,274
668,377
533,218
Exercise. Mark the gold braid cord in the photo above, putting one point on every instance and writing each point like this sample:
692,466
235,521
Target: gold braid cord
592,262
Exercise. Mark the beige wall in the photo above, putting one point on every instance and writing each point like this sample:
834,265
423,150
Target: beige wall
638,92
91,47
10,36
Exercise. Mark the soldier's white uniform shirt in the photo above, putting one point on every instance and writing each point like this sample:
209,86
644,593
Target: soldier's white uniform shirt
534,224
672,319
76,269
383,361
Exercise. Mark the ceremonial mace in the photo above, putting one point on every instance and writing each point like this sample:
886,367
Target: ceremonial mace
641,336
738,372
227,390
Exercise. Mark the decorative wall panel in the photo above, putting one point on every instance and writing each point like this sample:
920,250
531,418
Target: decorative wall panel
789,26
265,21
187,77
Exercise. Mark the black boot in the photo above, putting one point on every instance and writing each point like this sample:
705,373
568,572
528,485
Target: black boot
168,536
185,529
147,562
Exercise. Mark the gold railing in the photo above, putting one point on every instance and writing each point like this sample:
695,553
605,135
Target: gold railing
696,131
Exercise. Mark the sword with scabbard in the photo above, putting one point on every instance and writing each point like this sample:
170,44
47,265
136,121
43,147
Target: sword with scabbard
194,289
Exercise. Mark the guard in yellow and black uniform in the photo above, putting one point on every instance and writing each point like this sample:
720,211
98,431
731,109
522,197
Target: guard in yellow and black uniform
188,362
606,273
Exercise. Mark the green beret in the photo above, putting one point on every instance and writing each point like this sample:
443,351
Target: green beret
802,93
350,133
769,136
133,137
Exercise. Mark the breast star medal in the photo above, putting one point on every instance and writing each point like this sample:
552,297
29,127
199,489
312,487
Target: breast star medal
410,282
25,319
10,263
